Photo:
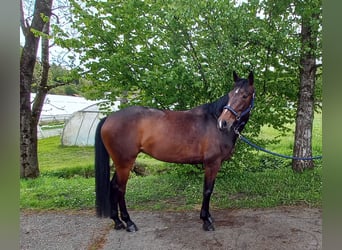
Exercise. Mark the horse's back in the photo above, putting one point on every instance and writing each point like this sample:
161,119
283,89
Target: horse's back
173,136
126,123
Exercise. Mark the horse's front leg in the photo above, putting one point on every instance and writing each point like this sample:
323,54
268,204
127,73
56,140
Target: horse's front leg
209,182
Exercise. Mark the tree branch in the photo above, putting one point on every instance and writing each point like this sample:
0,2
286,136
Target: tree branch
195,57
23,25
57,17
41,93
57,84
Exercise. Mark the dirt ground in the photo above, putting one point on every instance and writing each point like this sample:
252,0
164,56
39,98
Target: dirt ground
271,228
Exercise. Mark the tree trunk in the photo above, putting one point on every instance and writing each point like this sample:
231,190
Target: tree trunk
305,109
304,119
28,127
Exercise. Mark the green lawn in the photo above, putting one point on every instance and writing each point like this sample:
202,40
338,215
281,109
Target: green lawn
285,145
67,182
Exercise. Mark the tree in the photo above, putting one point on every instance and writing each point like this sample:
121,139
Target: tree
176,54
295,31
310,42
29,118
160,55
34,75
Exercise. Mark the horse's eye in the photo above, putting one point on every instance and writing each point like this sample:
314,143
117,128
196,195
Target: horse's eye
244,96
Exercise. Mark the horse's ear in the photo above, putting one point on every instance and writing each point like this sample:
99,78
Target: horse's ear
235,76
251,78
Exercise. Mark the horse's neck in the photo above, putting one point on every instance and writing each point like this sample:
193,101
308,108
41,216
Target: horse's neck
215,108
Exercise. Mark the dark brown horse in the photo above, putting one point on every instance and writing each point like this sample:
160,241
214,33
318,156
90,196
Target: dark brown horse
203,135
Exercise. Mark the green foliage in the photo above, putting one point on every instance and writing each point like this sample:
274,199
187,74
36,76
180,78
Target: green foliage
174,54
64,81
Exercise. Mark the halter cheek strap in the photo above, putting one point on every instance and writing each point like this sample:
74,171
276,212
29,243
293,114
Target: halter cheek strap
233,111
248,110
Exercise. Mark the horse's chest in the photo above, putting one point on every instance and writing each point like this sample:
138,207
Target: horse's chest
227,150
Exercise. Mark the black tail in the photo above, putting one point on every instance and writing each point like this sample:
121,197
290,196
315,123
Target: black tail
102,175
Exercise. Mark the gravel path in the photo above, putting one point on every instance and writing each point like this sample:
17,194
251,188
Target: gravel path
271,228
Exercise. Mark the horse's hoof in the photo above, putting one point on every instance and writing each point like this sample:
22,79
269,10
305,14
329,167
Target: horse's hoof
119,226
207,226
132,228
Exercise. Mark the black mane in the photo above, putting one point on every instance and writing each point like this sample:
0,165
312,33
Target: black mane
215,108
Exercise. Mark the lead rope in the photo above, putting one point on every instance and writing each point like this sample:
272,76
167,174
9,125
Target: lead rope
244,139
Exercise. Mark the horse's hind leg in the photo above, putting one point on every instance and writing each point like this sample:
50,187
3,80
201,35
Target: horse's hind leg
118,224
119,189
124,174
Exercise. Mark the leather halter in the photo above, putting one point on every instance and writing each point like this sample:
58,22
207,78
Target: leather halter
247,111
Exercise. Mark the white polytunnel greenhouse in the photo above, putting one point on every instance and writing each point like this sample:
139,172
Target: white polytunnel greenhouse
56,110
80,128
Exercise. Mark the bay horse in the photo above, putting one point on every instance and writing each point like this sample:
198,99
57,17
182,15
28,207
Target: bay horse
203,135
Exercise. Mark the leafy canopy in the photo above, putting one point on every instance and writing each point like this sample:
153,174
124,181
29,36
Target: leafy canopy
178,54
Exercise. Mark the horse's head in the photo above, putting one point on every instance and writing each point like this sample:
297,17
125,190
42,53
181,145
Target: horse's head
241,101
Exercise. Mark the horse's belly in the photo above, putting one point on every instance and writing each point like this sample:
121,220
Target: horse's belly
191,154
178,158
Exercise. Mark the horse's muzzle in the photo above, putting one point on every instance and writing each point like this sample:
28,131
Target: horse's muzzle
223,125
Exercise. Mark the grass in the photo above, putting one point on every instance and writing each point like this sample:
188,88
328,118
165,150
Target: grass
266,189
171,191
67,181
49,192
285,144
53,156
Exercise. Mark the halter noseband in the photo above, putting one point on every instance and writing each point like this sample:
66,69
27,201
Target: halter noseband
248,110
